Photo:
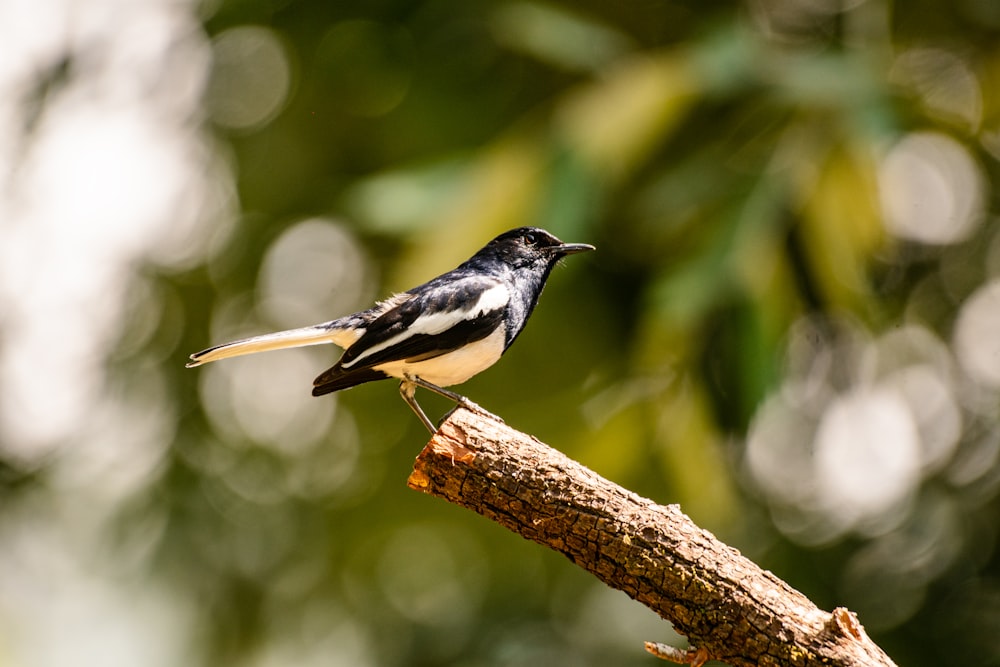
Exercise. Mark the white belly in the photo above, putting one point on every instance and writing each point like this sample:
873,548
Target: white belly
454,367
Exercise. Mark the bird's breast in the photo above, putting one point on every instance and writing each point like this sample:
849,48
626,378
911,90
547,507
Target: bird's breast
453,367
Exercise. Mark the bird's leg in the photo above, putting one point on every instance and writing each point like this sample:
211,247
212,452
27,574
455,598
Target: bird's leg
407,389
450,395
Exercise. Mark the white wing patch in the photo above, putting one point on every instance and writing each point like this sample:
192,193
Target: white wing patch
492,299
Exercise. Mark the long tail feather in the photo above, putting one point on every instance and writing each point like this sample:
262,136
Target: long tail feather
314,335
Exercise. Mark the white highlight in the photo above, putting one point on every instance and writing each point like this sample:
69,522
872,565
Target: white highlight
101,170
867,454
315,266
977,335
492,299
932,189
251,78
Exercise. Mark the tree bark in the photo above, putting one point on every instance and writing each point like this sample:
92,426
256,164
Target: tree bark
729,609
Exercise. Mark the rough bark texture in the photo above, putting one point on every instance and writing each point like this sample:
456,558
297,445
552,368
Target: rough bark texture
728,608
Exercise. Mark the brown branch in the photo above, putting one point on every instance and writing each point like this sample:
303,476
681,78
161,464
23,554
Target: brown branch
729,609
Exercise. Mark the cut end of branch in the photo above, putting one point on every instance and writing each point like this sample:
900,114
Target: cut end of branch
418,480
443,446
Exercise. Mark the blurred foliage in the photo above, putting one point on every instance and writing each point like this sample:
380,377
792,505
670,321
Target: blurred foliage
722,157
725,158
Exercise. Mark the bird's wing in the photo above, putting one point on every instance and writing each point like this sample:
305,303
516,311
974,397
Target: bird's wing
337,381
440,317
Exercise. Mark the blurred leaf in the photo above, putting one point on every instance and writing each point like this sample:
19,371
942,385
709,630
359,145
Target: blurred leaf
842,226
406,201
689,448
616,122
558,36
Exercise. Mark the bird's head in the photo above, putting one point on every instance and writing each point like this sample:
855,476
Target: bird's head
530,247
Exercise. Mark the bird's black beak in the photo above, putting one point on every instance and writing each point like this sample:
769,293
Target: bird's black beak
570,248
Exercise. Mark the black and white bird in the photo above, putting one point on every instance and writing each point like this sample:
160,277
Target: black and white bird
436,335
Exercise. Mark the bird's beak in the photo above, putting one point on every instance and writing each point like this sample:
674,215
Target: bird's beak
571,248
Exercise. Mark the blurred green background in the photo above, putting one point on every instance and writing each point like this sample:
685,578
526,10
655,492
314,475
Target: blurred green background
791,326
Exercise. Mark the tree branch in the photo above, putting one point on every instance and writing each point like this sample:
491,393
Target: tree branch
728,608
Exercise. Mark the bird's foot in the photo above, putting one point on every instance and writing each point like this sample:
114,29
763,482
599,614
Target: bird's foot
463,402
407,386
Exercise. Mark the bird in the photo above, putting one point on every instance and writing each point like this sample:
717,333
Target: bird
436,335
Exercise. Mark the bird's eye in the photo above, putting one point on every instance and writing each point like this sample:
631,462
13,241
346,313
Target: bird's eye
531,238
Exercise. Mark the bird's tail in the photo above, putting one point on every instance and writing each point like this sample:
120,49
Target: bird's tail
314,335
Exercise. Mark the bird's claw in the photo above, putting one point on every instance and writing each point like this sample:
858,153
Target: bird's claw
466,404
